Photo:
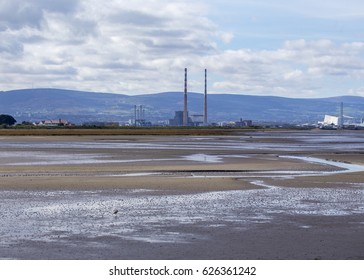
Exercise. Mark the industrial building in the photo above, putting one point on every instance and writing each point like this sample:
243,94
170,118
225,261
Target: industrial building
139,117
333,122
51,123
243,123
182,118
177,120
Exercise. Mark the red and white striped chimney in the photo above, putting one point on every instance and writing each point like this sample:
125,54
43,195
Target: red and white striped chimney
185,112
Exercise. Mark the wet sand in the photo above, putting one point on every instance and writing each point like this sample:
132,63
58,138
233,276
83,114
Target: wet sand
273,195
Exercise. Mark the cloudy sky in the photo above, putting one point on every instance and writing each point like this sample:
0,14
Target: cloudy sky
292,48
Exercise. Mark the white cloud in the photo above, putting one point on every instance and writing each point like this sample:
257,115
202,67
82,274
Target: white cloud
17,14
226,37
104,45
357,92
293,70
293,75
142,47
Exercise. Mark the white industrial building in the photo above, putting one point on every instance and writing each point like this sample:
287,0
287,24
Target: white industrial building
331,120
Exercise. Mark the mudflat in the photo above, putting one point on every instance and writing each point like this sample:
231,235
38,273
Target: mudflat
255,195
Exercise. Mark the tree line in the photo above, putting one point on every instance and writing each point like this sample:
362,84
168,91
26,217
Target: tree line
7,120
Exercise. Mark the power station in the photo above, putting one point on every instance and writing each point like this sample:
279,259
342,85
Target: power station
181,117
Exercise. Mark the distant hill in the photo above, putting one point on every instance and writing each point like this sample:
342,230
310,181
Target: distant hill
79,107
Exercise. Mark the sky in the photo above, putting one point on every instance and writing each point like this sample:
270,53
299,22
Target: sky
290,48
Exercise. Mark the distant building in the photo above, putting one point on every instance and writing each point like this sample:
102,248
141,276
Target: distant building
139,117
197,120
243,123
143,123
178,119
226,124
53,123
331,120
240,123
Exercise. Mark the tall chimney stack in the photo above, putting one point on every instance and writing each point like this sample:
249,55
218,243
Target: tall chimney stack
185,112
341,119
205,101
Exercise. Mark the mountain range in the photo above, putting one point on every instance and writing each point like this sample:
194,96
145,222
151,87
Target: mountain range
79,107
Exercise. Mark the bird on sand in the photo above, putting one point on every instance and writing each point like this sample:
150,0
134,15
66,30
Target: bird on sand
116,211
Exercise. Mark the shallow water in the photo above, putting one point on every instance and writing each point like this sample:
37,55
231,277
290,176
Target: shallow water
339,141
145,216
150,216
